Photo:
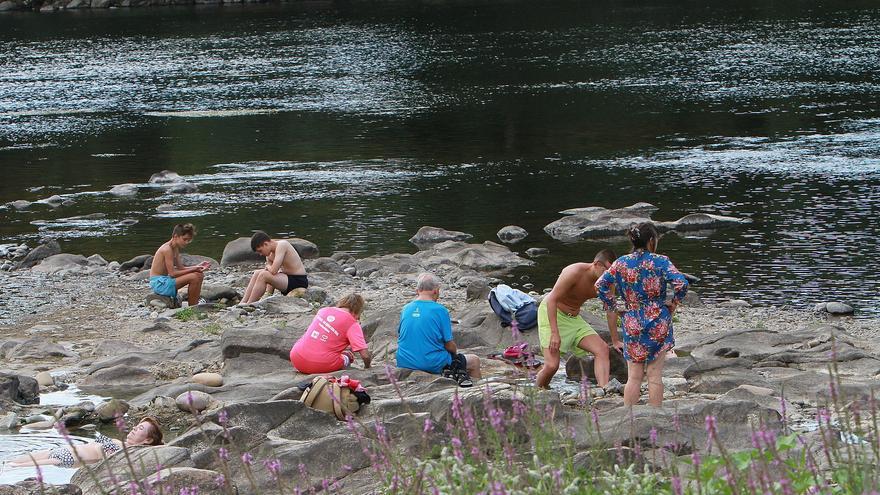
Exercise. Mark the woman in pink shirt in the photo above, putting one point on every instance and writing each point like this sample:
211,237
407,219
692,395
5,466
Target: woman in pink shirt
324,346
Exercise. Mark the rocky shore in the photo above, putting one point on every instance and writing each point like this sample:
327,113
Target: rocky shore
77,320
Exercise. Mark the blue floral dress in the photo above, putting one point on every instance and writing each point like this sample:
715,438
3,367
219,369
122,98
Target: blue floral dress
640,278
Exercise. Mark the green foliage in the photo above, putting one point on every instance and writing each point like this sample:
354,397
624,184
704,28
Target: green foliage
213,329
189,314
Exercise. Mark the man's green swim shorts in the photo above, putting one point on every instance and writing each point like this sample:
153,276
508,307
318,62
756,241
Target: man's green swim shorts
571,330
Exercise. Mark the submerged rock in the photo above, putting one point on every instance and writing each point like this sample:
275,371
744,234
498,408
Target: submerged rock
536,252
165,177
181,188
124,190
512,234
594,221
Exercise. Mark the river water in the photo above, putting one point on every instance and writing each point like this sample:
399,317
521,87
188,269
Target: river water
353,125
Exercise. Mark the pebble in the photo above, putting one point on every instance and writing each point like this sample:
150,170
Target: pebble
839,308
199,401
208,379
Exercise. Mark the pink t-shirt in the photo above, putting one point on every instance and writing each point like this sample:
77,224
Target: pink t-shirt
332,330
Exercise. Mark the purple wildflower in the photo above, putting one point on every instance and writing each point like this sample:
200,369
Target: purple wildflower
653,436
273,466
676,485
223,454
247,459
120,423
428,426
223,417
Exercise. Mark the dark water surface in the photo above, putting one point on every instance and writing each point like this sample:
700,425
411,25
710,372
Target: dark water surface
355,125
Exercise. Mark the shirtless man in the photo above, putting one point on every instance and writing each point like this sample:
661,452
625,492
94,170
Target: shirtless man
168,275
560,327
284,268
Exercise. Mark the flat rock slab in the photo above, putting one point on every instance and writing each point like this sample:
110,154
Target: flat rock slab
594,221
115,472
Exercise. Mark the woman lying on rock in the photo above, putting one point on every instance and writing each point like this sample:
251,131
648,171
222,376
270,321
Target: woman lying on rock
147,432
324,346
640,279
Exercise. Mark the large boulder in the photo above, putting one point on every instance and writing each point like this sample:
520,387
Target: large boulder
40,253
135,263
486,257
120,379
62,262
325,265
428,236
388,264
216,292
594,221
239,252
19,388
195,259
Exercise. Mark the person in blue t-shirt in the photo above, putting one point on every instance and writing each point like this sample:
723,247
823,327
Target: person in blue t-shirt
424,340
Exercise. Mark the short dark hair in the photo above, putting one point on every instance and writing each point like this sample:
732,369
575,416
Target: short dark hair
641,234
183,229
605,256
258,239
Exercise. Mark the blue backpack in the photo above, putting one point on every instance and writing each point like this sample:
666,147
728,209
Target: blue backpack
526,316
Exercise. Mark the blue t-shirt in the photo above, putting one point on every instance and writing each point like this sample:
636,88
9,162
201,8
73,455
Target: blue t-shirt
424,328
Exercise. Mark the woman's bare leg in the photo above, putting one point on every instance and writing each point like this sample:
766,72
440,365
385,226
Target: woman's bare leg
655,380
635,373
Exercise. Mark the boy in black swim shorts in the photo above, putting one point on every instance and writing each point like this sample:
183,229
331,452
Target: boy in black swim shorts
284,268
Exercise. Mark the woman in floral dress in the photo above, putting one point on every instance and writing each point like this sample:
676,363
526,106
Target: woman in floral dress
641,277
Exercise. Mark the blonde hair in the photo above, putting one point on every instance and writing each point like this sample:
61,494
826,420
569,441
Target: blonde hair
353,302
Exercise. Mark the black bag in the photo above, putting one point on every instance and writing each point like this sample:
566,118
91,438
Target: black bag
457,370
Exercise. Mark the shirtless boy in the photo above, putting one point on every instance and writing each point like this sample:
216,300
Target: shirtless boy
167,274
284,268
560,327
